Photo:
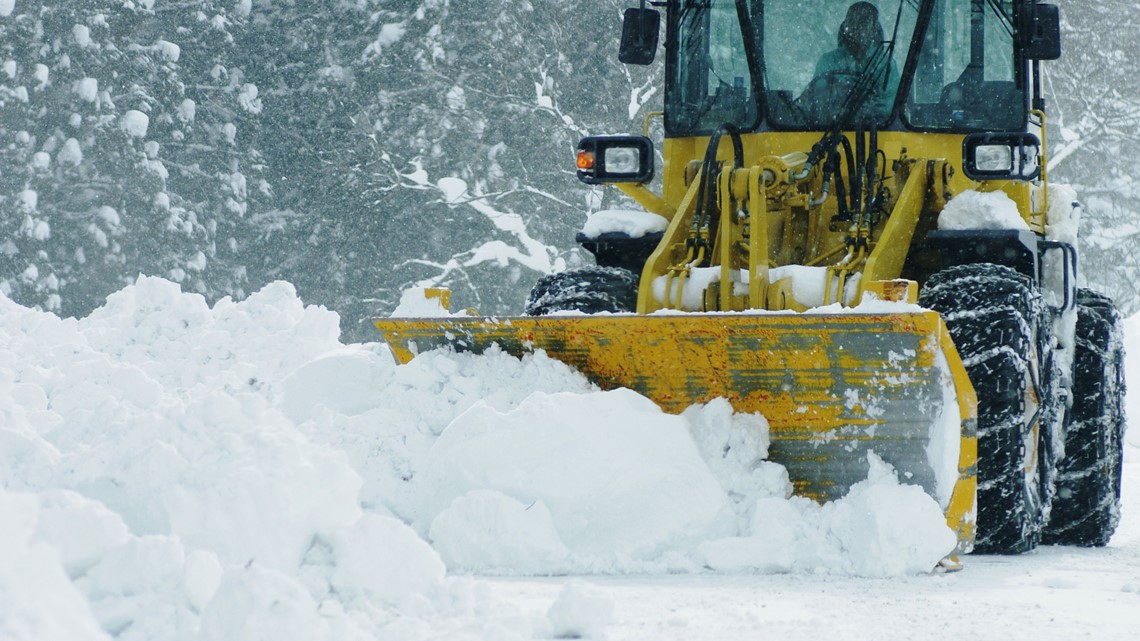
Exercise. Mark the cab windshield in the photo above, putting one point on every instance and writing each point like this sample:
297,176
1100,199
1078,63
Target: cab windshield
817,64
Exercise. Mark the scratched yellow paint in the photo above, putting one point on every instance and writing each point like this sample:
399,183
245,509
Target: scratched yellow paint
797,370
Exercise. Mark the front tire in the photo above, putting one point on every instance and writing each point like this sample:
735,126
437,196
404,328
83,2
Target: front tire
589,290
1086,509
994,315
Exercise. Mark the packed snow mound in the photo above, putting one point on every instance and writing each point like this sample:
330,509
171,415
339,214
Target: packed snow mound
172,470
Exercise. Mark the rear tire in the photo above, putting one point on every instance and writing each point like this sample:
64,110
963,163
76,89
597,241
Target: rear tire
1086,510
994,315
589,290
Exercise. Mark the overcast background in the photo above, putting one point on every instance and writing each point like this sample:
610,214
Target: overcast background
227,144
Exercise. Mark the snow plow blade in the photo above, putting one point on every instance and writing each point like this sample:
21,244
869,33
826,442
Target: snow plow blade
832,386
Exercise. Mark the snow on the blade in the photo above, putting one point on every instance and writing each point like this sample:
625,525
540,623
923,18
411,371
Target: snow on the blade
416,302
811,286
981,210
172,470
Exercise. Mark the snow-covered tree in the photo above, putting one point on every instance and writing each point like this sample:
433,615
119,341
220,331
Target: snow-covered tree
100,109
1095,140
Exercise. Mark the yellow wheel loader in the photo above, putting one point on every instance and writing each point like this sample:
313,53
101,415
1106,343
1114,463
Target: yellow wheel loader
854,236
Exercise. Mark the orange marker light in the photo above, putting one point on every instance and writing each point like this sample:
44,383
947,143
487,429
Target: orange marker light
585,160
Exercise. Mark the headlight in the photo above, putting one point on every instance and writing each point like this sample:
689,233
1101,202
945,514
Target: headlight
1001,156
615,159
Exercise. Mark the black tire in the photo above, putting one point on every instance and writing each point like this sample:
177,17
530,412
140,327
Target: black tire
1087,508
994,314
590,290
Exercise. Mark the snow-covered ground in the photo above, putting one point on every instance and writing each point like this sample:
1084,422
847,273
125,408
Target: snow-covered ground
174,471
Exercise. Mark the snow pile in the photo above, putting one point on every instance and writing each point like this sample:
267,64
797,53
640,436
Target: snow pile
881,528
981,210
170,470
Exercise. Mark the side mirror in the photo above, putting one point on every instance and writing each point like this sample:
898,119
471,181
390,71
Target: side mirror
639,32
1044,41
615,159
1001,156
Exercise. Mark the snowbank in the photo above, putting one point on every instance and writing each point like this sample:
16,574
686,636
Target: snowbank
170,470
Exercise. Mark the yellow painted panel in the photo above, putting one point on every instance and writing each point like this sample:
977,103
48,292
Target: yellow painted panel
832,387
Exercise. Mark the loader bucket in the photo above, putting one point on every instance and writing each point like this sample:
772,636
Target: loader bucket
832,386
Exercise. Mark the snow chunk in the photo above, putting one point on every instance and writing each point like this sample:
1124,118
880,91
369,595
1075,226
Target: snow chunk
135,123
41,160
248,100
39,601
382,557
187,110
347,380
109,216
29,200
631,222
620,477
489,532
70,154
37,229
981,210
581,611
87,89
82,35
456,99
6,7
390,34
197,263
255,603
169,50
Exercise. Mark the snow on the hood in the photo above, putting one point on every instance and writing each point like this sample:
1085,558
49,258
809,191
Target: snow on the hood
981,210
171,470
633,223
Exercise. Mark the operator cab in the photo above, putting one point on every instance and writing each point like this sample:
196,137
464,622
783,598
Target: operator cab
761,65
